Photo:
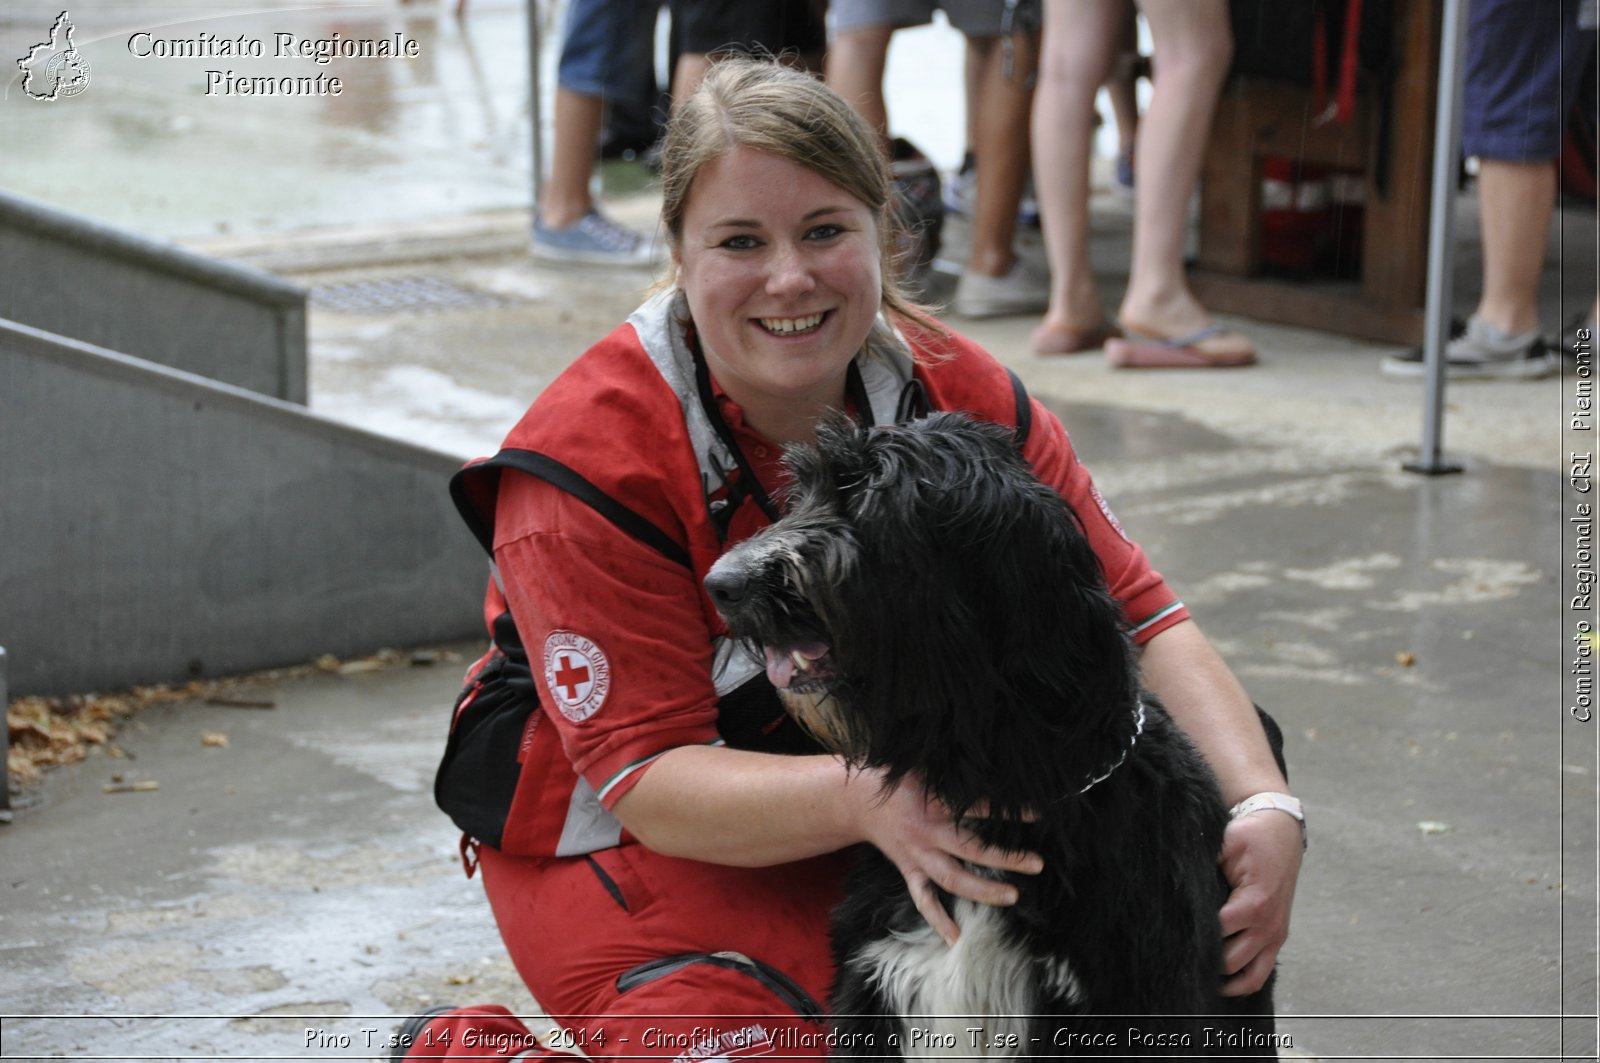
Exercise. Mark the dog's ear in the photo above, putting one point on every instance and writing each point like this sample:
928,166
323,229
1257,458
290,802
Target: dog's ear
838,432
835,463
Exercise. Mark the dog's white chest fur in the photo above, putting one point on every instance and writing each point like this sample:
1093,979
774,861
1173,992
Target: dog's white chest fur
972,999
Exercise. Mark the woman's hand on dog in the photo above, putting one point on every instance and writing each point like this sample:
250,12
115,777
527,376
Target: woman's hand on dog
920,837
1261,860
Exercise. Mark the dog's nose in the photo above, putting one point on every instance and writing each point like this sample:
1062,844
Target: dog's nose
728,585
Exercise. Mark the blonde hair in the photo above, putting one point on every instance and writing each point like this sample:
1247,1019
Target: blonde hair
759,103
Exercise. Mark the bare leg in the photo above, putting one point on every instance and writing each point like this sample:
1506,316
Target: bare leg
854,69
1516,201
577,132
1193,46
686,75
1079,39
971,88
1000,149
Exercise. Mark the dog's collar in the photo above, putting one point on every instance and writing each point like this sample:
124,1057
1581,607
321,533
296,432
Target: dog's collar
1138,729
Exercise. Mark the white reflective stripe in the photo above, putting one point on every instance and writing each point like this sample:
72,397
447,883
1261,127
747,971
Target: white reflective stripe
1160,615
733,665
588,826
627,770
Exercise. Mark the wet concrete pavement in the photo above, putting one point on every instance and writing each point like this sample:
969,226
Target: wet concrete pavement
297,878
1413,635
1408,633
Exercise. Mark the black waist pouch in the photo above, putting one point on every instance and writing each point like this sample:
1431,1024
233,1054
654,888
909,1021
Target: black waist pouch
478,773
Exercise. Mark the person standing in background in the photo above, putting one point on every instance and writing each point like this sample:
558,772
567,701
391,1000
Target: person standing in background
1162,323
999,80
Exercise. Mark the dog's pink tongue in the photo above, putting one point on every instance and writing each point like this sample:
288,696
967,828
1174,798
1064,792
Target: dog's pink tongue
781,665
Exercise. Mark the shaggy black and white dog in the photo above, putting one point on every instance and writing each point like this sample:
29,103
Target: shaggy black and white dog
928,607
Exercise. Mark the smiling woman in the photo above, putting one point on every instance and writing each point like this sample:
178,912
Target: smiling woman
745,106
623,770
775,201
780,270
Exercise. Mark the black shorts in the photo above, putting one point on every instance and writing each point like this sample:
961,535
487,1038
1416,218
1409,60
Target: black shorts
775,26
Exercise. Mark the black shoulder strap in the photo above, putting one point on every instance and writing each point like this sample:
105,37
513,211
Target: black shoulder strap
914,403
564,477
1024,409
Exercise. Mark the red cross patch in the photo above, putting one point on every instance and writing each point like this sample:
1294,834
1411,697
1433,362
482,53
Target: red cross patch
576,673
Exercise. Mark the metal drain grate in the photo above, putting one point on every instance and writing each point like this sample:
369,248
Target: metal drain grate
401,295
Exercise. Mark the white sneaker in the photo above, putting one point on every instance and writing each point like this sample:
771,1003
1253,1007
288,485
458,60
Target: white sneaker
1023,290
1482,352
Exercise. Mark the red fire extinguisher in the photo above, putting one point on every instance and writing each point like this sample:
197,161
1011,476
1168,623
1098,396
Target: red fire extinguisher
1294,214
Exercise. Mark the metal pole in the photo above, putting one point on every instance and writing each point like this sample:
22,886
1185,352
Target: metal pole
535,105
1441,239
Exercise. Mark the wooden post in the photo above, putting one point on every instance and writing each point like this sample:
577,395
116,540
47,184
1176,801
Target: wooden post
1398,278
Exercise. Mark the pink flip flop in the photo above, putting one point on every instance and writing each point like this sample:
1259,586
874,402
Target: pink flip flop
1137,350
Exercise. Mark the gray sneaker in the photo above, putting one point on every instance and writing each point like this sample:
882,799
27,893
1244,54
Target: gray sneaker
1481,352
594,239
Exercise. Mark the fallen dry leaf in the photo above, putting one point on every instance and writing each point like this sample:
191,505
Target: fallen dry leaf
145,787
46,732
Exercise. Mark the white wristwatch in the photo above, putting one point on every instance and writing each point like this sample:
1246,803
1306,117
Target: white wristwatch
1275,801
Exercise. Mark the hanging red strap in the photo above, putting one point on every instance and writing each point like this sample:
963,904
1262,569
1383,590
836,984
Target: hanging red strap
1349,59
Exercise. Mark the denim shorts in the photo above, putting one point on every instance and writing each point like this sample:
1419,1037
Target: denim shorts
1524,62
605,44
977,18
